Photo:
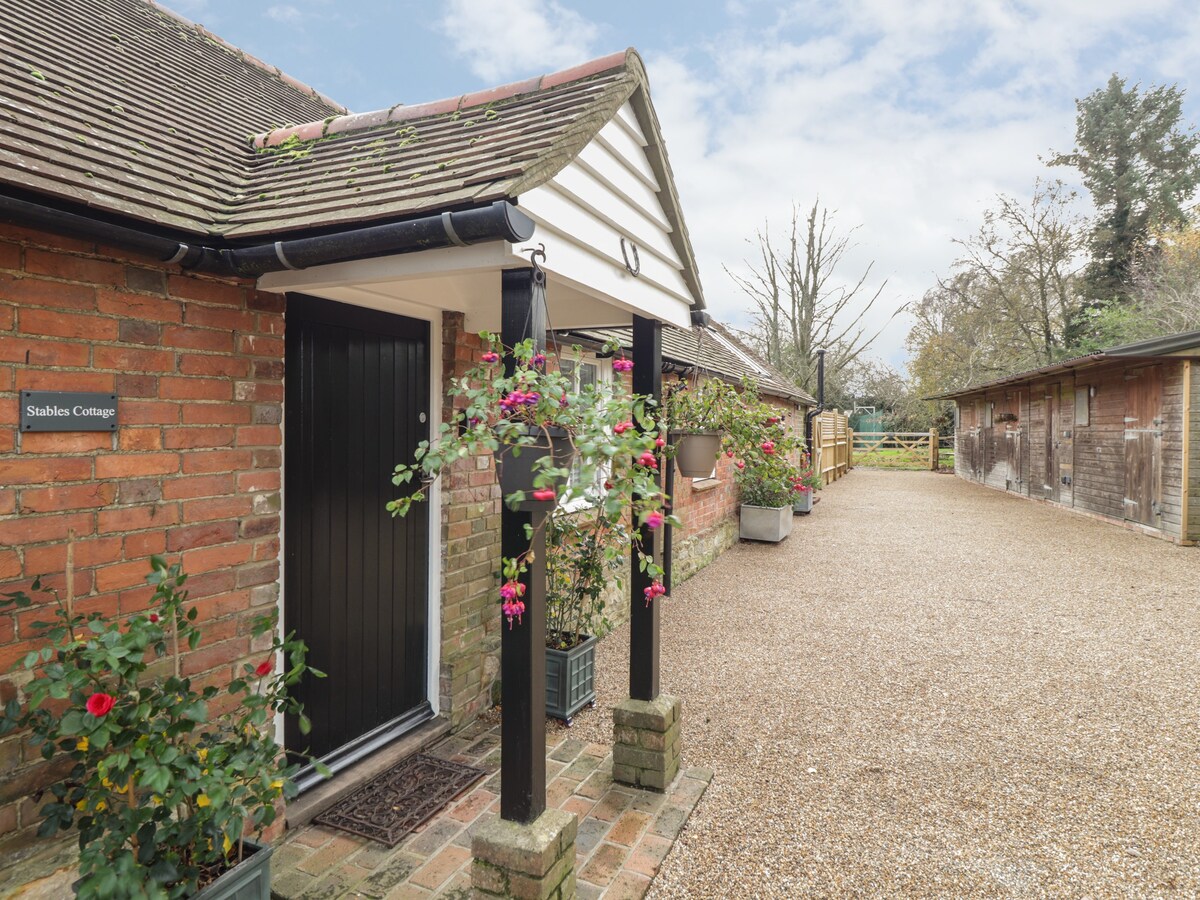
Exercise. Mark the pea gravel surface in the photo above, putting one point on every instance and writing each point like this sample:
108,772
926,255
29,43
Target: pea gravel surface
932,689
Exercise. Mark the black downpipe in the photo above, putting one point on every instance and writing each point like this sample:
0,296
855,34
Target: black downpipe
820,407
499,221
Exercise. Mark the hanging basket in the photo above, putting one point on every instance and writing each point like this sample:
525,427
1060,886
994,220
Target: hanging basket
696,452
517,471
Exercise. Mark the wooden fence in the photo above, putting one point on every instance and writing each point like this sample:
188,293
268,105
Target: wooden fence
897,449
832,440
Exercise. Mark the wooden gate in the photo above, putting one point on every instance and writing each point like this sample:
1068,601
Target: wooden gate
1143,445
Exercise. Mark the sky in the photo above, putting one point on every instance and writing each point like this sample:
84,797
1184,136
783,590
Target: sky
905,117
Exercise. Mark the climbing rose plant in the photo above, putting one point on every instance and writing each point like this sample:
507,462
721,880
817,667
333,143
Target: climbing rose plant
163,777
613,436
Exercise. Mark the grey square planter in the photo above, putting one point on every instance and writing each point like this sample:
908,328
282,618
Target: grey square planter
570,679
765,523
803,503
248,880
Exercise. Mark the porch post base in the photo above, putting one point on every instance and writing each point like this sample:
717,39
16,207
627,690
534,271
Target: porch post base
646,742
532,862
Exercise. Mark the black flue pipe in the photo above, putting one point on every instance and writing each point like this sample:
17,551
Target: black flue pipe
819,408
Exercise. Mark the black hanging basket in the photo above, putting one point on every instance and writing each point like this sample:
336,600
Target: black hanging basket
517,471
696,452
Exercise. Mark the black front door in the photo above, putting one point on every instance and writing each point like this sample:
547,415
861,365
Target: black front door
355,579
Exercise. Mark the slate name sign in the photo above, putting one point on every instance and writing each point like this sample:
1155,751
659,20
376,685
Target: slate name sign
68,411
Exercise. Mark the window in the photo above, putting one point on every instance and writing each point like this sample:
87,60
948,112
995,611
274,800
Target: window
1083,404
583,373
988,408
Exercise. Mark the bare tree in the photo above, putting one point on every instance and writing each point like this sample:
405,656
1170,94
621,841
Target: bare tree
799,304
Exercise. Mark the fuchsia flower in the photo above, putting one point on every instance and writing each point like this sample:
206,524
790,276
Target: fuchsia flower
654,590
773,420
648,460
544,494
513,606
740,464
490,357
562,402
654,520
768,447
512,590
620,364
153,618
539,359
622,427
729,453
659,443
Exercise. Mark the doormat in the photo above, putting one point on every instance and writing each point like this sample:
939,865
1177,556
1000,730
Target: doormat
392,804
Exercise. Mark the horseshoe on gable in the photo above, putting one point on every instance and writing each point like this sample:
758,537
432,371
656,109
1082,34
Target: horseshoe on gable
636,268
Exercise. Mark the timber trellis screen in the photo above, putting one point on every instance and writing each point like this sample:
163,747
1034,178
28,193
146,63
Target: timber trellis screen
832,439
897,449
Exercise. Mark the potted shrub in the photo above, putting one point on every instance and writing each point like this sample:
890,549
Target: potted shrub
584,553
766,511
697,416
804,486
165,780
608,448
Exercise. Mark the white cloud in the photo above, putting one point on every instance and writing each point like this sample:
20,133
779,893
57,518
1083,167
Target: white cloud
503,39
906,118
284,13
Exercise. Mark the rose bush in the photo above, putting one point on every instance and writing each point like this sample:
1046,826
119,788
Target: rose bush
160,787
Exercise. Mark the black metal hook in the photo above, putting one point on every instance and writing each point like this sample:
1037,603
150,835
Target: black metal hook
636,269
539,275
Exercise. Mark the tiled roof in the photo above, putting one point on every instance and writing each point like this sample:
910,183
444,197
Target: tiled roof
714,351
123,107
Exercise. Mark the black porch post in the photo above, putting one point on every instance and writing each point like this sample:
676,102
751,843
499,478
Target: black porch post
523,647
644,619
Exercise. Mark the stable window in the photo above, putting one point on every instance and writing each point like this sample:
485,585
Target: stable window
1083,405
988,408
583,373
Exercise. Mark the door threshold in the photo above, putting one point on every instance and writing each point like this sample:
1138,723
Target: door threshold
316,800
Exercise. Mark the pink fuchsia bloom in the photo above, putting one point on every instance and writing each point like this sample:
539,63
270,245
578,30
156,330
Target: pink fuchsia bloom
654,519
539,359
490,357
562,402
648,460
654,590
153,618
729,453
802,488
659,443
544,494
768,447
513,609
511,590
513,400
620,364
740,464
773,420
622,427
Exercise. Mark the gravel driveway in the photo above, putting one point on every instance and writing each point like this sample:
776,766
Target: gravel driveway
933,689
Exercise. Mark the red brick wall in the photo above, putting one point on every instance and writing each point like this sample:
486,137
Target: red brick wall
193,471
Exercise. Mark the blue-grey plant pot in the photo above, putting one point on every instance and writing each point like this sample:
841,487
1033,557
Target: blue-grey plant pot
570,679
248,880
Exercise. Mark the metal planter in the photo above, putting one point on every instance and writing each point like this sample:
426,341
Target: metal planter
248,880
696,452
765,523
517,471
570,679
803,503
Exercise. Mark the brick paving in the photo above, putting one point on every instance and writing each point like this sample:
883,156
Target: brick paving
624,833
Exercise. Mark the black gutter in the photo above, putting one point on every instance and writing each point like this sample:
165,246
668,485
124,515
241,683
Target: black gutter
499,221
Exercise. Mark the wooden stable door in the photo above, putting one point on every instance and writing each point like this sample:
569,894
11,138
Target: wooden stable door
1013,432
1143,445
1053,422
356,581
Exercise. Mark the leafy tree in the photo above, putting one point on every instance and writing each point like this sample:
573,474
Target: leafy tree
1140,166
800,306
1009,300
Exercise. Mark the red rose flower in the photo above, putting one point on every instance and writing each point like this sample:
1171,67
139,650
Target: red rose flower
99,704
263,668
